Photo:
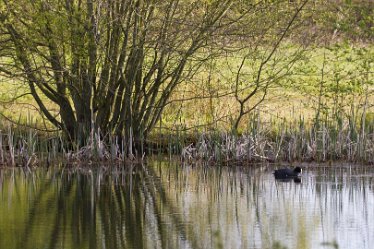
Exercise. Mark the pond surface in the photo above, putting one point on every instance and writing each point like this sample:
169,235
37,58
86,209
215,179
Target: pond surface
165,205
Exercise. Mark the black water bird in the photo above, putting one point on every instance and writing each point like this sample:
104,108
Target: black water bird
287,173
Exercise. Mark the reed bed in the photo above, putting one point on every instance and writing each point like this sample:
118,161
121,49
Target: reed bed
345,138
27,147
273,141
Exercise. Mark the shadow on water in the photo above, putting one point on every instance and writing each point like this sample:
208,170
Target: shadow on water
164,205
83,208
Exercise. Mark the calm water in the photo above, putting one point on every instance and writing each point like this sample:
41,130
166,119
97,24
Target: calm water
164,205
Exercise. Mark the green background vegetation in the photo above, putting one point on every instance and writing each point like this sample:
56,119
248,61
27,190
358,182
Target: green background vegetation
237,67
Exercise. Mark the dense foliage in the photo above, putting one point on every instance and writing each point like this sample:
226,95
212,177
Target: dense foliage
112,66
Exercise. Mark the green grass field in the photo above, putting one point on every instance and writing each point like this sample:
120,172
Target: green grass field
320,109
330,80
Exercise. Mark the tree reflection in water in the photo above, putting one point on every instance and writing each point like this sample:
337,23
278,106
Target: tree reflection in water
84,208
164,205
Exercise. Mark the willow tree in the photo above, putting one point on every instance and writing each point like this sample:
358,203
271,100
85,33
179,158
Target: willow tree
108,65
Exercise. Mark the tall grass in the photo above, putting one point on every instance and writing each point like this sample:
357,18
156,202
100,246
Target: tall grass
20,146
322,140
331,137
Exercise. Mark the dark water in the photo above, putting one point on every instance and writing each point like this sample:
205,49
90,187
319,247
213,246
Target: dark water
164,205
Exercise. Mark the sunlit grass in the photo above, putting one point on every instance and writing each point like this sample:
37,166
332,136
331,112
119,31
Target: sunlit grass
322,110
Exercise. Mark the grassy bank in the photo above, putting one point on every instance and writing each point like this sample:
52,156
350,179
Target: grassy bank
329,139
320,110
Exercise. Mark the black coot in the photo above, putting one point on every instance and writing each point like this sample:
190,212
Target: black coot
287,173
